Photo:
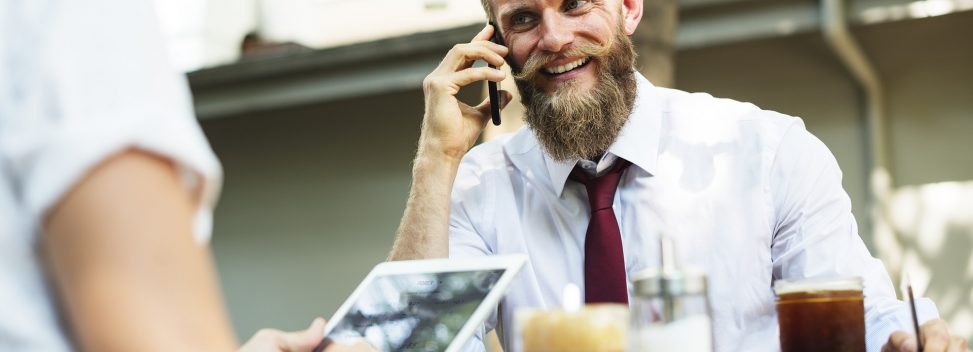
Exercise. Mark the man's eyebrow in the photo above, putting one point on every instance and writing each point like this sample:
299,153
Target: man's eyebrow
513,9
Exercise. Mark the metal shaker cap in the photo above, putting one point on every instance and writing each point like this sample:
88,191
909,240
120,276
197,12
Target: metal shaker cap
658,283
669,281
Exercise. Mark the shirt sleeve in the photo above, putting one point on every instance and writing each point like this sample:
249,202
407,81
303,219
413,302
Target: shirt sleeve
467,211
816,234
91,80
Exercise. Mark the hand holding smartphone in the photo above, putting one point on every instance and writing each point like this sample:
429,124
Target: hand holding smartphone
494,87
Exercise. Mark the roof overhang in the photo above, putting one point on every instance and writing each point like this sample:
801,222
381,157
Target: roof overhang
400,63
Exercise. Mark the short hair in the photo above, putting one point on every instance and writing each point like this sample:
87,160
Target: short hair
488,9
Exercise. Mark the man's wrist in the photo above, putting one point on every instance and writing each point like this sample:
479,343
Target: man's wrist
428,162
431,153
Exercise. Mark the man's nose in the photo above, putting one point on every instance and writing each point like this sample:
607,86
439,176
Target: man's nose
557,33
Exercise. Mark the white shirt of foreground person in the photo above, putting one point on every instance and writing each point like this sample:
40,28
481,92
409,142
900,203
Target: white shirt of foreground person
748,195
79,81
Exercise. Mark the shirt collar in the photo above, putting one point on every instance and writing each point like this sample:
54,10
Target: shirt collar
638,142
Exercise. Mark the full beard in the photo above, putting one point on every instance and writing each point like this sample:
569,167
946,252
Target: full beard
572,122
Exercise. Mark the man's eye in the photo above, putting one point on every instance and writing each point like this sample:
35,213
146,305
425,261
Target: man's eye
573,4
522,19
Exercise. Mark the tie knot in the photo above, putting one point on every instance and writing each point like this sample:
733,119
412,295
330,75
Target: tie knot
601,189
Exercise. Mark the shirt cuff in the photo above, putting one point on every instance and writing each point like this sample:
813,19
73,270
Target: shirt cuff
899,319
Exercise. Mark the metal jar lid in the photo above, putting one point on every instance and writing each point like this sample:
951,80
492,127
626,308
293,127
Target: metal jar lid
659,283
669,280
818,284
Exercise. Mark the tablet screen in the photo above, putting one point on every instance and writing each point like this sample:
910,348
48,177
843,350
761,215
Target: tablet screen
415,312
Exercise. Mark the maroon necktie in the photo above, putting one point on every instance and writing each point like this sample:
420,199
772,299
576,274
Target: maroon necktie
604,261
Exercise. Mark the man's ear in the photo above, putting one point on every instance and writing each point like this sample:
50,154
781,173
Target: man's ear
631,15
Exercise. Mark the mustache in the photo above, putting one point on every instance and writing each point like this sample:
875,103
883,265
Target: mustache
535,63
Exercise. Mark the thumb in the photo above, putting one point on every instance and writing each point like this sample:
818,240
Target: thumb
901,341
505,98
484,107
303,341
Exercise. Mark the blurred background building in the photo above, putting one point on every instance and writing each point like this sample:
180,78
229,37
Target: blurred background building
314,106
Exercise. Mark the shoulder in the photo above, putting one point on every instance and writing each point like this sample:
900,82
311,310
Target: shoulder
781,140
721,118
703,107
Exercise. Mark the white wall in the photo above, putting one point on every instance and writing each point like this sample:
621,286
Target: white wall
311,201
206,33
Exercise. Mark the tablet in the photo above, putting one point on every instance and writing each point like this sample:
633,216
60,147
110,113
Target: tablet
423,305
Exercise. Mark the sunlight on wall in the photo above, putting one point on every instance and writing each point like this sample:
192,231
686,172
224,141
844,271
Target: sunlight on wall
914,9
933,242
203,33
337,22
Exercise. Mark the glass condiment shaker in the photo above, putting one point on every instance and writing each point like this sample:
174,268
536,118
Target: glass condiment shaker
669,308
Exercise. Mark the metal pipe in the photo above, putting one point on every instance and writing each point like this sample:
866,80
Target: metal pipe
834,26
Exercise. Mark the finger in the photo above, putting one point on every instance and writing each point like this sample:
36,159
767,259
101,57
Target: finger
957,344
902,341
464,55
453,82
935,336
484,33
262,340
474,74
302,341
358,346
315,332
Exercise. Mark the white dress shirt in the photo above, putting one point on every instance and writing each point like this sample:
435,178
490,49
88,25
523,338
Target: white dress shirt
748,195
80,81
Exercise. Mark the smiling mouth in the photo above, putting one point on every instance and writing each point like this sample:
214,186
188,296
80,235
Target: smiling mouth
568,67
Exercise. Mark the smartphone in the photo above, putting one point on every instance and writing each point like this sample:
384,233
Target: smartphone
494,87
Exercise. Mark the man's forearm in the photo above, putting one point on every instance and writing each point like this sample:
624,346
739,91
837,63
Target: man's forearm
424,230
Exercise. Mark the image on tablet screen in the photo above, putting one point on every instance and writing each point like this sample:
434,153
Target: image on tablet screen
415,312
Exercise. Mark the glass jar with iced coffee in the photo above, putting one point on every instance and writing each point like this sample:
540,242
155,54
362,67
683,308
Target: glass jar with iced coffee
821,314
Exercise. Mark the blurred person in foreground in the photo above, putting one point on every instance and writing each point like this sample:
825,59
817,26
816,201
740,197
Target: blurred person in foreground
107,186
607,161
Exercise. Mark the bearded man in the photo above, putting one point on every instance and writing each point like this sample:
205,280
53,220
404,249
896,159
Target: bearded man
607,162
